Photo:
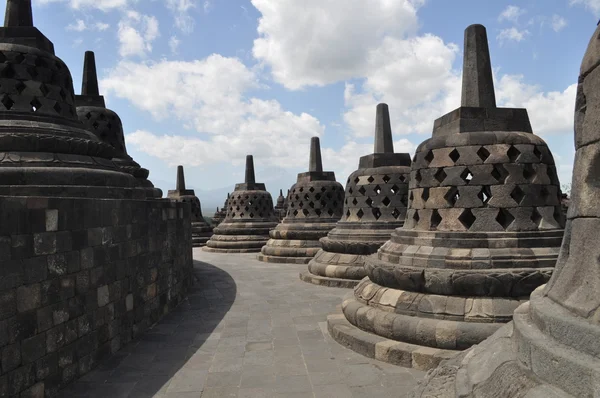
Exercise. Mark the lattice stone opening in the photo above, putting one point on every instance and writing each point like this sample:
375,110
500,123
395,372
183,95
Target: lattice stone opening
538,153
467,218
377,189
418,177
499,173
517,194
485,194
360,213
386,179
529,172
536,217
544,193
370,179
386,201
466,176
454,155
425,194
402,178
504,218
323,189
429,157
416,216
395,213
394,189
35,104
356,180
436,219
7,102
369,202
483,154
452,196
376,213
362,190
318,212
440,175
513,153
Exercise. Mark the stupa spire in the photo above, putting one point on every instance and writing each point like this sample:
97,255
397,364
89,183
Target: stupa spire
18,13
89,84
477,81
315,163
180,179
249,179
383,130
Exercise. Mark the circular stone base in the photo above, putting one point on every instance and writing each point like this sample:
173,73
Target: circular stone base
284,260
215,250
326,281
390,351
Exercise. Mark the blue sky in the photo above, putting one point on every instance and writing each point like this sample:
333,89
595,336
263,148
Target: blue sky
204,82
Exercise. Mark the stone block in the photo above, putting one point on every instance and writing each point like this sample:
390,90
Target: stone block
11,357
33,348
28,297
44,243
8,303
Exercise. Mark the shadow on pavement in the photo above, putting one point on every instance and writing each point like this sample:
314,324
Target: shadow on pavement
143,367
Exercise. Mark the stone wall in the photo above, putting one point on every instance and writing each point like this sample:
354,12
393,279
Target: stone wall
79,279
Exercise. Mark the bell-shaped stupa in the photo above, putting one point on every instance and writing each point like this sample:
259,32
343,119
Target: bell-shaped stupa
201,230
250,216
315,204
219,216
46,150
482,231
551,349
107,126
374,205
280,208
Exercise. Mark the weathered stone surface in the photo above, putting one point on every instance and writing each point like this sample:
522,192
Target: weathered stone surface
315,204
551,347
281,206
483,226
219,216
375,203
250,216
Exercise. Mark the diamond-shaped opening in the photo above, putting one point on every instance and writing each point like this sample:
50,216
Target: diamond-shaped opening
301,204
306,197
246,208
88,115
330,212
504,218
57,107
440,175
297,197
63,95
7,102
328,195
376,213
8,71
2,57
295,213
529,172
370,179
20,86
394,189
35,104
323,189
377,189
454,155
323,203
251,215
386,201
360,213
311,189
301,189
513,153
429,157
483,154
467,218
18,58
395,213
241,214
318,196
544,193
318,212
436,219
485,194
418,177
386,178
347,212
402,178
305,212
102,116
411,195
369,202
425,194
362,190
452,196
232,215
517,194
536,217
466,176
356,180
499,173
312,204
44,90
537,152
416,216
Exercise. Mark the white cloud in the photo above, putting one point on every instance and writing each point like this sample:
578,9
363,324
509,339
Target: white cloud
511,14
181,9
174,44
512,34
104,5
315,42
558,23
101,26
78,26
593,5
136,34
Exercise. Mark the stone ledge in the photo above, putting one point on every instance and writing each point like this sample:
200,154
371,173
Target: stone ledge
326,281
394,352
246,250
281,259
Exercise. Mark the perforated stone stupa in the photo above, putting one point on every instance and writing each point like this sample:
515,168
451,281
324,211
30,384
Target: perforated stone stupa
201,230
315,204
219,216
375,204
250,216
280,207
482,231
107,126
552,348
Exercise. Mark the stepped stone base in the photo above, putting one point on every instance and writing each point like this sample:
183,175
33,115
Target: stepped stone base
242,250
294,242
382,349
327,281
283,260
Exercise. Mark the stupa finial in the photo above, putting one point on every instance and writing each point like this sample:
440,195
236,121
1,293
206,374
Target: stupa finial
18,13
180,179
89,84
383,130
250,179
477,81
315,163
280,192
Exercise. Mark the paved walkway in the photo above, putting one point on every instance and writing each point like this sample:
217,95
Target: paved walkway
248,329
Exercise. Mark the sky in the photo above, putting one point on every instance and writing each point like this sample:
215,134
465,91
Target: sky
202,83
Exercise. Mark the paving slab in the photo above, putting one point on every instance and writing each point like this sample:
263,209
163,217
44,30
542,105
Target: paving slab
247,329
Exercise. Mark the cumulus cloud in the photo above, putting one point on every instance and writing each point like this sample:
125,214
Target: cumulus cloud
79,26
593,5
511,13
136,34
558,23
181,10
512,34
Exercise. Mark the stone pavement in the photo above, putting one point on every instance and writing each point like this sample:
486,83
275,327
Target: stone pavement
247,329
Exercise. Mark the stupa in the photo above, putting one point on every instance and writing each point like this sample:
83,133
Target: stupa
219,216
315,204
551,348
482,231
375,204
250,216
201,230
280,208
107,126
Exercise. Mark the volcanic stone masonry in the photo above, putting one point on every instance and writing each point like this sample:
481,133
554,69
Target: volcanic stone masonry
482,231
280,207
107,126
201,230
250,216
551,348
87,262
374,205
219,216
314,206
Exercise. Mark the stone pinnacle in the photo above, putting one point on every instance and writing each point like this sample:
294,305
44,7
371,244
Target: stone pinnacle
477,81
315,163
180,179
383,130
250,179
18,13
89,84
280,192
